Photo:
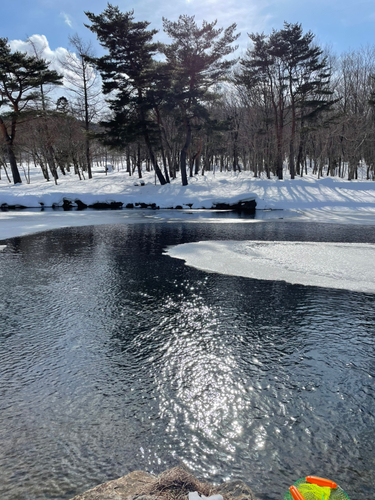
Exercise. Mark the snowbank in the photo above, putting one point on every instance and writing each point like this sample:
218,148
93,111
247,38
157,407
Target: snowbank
202,191
323,200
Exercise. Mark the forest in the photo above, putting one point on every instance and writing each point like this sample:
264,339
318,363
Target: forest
185,107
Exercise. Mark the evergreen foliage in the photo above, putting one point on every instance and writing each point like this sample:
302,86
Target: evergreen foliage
128,74
197,62
293,77
21,78
181,106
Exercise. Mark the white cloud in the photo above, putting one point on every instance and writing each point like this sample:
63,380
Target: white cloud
67,19
38,45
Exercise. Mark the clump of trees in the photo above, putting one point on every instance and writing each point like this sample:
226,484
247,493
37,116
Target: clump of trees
22,79
290,76
188,106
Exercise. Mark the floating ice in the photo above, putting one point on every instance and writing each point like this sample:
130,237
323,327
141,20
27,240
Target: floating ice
332,265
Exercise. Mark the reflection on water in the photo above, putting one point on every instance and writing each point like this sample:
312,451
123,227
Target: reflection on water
114,357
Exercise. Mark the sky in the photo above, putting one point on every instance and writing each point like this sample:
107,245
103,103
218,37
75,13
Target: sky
342,25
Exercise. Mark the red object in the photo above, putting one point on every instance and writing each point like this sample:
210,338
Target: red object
320,481
296,494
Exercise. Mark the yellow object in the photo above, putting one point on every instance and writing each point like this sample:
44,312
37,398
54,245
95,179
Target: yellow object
314,492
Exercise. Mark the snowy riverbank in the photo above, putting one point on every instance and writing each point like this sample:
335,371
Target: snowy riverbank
202,192
321,200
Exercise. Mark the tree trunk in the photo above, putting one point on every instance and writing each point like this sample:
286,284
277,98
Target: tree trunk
197,157
9,148
146,136
13,165
5,170
139,161
87,126
184,153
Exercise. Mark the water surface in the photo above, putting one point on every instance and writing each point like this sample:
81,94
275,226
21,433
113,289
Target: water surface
115,357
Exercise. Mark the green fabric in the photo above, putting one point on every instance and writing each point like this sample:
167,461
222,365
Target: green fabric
315,492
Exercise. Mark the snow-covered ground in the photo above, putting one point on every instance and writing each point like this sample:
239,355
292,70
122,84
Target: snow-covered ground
202,192
324,200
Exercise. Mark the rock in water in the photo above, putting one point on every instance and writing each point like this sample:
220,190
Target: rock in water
119,489
173,484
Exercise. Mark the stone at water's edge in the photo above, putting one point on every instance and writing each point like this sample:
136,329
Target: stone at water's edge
127,487
118,489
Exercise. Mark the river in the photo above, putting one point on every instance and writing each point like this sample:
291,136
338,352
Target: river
116,357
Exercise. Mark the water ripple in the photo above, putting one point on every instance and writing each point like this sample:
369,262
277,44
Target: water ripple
114,357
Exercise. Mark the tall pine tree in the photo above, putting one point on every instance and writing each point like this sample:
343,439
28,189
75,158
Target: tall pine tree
197,61
296,77
21,77
128,74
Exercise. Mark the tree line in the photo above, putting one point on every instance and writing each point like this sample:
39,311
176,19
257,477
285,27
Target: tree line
188,106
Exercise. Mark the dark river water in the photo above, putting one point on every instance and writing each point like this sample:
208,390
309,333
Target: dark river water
115,357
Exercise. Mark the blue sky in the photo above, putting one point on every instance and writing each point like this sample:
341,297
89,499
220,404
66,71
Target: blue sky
340,24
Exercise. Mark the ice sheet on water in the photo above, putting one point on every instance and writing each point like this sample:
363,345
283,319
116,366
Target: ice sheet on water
330,265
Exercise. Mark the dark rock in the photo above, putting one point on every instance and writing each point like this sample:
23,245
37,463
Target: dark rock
5,207
98,205
222,206
102,205
247,206
115,205
129,205
67,204
80,204
178,207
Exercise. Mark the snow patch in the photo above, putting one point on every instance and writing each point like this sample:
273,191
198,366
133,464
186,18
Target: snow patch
307,199
329,265
203,191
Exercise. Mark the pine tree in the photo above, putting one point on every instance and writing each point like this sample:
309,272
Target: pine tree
296,77
21,77
197,61
128,74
